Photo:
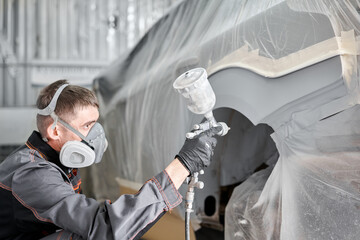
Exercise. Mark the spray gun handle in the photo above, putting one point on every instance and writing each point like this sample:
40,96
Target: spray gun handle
199,128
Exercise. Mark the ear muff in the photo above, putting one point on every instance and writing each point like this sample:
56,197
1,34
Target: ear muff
75,154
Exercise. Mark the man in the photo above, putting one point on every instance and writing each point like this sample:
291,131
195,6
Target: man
40,185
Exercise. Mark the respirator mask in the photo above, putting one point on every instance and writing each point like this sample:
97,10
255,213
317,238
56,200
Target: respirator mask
78,154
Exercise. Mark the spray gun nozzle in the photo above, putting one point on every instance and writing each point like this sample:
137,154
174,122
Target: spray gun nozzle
224,129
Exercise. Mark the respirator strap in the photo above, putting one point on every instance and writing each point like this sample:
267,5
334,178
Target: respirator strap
52,105
68,126
49,110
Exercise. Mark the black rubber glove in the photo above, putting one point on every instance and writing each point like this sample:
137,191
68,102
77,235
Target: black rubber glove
196,153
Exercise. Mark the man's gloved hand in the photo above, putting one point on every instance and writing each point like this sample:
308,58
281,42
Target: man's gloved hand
196,153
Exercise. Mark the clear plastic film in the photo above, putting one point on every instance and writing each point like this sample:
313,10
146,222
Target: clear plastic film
313,191
145,119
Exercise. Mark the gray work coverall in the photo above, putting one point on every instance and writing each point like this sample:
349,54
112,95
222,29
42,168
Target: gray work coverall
39,197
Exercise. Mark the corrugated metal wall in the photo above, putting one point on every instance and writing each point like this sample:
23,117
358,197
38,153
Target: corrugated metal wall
44,40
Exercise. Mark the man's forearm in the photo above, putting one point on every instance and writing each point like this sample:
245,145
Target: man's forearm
177,172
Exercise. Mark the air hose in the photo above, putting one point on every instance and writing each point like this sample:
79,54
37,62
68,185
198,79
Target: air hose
189,199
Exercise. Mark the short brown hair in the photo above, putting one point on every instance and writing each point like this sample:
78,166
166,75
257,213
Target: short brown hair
70,99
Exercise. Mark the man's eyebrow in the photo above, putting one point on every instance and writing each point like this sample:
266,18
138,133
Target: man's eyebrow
89,122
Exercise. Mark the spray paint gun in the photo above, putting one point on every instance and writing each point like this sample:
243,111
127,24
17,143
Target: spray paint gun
200,98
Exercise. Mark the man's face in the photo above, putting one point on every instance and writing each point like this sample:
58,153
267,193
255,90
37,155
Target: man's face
83,121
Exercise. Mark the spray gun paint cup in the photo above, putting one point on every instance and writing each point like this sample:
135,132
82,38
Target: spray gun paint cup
196,89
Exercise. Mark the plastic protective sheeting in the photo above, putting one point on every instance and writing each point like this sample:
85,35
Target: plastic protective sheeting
146,120
312,193
242,221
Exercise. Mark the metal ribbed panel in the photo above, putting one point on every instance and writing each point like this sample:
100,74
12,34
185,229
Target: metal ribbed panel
65,38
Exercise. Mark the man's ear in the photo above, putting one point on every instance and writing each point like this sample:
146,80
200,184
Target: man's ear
52,132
